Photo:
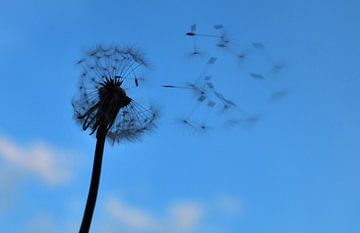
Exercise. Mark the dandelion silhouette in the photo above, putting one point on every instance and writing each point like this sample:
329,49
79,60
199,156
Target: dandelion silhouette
103,106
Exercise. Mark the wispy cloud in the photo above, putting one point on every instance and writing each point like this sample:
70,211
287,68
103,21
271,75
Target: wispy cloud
186,215
132,217
116,215
39,159
229,205
180,217
44,222
41,224
8,188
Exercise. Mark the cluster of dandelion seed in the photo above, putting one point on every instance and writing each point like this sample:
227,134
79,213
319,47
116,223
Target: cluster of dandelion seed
112,69
206,95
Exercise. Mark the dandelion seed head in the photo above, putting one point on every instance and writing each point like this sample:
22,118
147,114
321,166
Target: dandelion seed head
102,100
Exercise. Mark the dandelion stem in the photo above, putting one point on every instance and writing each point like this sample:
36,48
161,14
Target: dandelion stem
95,180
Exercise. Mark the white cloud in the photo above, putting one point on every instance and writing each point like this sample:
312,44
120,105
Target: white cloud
116,216
39,159
186,216
8,188
180,217
229,205
134,218
41,224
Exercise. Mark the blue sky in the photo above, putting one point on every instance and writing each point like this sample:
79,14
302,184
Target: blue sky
294,171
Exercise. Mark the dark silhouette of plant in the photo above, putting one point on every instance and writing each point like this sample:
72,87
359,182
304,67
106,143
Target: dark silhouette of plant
103,106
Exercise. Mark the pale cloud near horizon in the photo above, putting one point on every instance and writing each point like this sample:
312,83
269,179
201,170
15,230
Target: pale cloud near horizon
186,215
180,217
42,224
131,217
8,188
39,159
118,216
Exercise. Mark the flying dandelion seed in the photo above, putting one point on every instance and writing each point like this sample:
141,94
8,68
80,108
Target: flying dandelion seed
247,122
222,40
226,104
196,52
187,124
277,95
206,100
242,56
193,33
207,78
232,122
277,68
251,120
103,107
258,45
257,76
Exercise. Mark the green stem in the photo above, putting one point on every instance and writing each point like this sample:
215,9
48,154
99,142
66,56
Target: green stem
95,180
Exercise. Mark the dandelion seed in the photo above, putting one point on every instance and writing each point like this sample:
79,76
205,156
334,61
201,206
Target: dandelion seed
211,103
258,45
210,85
233,122
257,76
218,26
277,68
212,60
277,95
204,127
192,30
185,123
202,98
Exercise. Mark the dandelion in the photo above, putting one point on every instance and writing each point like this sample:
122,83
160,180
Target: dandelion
104,108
